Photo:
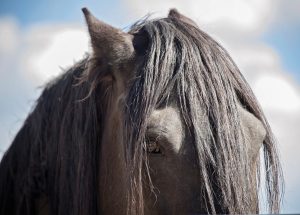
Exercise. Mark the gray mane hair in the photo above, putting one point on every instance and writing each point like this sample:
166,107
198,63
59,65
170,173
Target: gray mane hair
180,59
176,62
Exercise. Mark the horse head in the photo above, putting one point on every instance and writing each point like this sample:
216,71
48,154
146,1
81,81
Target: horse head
189,129
156,120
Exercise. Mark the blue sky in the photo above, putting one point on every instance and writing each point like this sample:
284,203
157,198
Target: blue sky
269,58
285,40
57,11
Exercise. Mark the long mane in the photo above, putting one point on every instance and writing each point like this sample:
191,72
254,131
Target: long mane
56,152
181,59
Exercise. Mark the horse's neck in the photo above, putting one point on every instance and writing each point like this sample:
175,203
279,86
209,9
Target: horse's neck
42,205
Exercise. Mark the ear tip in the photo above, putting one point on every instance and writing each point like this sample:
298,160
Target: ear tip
85,11
173,13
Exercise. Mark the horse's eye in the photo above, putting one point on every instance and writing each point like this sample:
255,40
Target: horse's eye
153,147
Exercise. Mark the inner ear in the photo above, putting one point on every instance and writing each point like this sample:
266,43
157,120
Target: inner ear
254,131
140,42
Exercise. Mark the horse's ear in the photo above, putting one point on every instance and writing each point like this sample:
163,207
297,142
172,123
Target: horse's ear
174,13
108,42
254,131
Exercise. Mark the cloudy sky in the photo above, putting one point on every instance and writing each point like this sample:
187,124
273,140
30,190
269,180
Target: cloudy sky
38,39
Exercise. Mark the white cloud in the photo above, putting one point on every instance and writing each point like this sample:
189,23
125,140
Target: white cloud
276,93
49,48
9,42
287,12
246,15
9,36
28,59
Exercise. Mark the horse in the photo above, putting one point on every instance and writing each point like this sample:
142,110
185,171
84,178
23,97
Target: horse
156,120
